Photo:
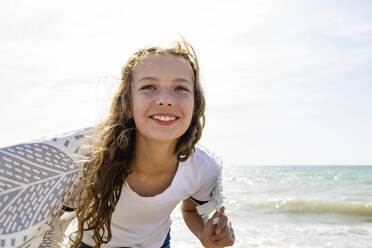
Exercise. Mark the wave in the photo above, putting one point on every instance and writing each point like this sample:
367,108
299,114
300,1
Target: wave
301,206
367,181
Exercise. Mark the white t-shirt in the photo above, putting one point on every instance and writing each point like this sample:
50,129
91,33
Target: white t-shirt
145,221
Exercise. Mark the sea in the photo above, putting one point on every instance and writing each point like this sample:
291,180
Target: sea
293,206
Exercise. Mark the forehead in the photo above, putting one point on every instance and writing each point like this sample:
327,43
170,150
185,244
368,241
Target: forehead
161,65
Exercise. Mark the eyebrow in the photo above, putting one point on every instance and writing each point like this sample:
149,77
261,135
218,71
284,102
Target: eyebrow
179,79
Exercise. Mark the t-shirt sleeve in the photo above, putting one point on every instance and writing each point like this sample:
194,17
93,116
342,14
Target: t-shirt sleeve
206,180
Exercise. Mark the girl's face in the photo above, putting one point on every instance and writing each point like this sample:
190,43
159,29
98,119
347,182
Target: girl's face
162,97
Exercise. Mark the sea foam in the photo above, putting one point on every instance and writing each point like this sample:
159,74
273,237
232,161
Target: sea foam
301,206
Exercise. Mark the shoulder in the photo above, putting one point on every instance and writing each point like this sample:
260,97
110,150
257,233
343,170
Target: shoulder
201,173
202,166
202,159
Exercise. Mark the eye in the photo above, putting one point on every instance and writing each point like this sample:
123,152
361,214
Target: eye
148,87
181,88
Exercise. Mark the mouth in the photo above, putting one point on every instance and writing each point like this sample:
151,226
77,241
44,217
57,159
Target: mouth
164,119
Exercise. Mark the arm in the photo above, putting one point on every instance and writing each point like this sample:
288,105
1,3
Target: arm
210,235
191,217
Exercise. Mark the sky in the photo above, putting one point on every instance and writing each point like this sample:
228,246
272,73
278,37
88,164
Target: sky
286,82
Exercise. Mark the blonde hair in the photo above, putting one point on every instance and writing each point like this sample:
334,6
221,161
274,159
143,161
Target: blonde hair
111,154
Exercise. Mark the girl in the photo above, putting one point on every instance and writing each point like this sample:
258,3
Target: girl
144,159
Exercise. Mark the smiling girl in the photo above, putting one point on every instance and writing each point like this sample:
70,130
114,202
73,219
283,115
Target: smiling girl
144,160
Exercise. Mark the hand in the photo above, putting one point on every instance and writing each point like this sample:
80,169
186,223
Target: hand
217,235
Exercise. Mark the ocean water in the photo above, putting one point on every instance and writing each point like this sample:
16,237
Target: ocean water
294,206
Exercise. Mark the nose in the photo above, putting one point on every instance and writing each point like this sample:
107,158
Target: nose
164,101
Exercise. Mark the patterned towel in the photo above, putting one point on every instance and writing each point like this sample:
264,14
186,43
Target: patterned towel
36,178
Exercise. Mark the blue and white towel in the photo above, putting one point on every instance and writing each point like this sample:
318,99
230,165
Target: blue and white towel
35,180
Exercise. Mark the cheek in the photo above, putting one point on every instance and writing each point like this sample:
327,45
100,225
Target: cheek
140,105
188,106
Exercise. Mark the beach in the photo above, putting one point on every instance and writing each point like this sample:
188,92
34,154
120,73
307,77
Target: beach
269,206
293,206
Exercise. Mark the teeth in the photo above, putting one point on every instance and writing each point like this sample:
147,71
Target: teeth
164,118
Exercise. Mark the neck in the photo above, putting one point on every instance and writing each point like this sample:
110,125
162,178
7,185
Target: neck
153,157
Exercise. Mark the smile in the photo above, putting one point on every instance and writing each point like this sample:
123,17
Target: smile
164,119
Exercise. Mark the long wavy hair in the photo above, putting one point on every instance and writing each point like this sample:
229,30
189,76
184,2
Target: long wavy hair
111,153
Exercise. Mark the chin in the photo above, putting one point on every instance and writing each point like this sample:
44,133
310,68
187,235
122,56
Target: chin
166,138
